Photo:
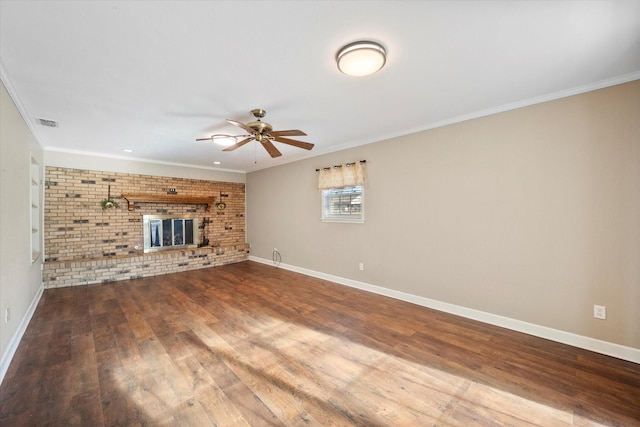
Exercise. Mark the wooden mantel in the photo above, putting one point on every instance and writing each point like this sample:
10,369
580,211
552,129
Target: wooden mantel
168,198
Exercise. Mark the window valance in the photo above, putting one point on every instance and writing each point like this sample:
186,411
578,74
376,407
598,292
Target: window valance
344,175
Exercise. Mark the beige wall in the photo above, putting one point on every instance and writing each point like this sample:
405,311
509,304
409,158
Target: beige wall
532,214
20,279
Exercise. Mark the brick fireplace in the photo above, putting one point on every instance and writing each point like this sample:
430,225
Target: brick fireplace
85,244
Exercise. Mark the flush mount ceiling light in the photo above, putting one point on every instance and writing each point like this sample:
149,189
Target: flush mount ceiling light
361,58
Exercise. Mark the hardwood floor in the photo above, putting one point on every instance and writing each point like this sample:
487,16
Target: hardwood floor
249,344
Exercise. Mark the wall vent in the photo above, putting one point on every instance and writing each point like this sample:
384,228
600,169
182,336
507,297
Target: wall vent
48,123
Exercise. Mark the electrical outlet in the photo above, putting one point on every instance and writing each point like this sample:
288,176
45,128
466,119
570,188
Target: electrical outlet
599,311
361,266
7,315
275,249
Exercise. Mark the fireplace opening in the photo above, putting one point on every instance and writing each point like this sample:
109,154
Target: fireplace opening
163,232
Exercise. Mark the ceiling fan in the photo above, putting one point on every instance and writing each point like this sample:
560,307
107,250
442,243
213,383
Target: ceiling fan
263,133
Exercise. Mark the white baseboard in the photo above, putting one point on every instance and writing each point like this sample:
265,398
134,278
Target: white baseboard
603,347
17,337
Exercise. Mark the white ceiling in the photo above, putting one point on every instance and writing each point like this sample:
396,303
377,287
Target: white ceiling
153,76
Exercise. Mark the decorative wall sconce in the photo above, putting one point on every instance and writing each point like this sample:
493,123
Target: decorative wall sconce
109,203
220,204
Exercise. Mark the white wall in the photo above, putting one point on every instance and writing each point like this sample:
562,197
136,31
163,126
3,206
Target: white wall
531,215
127,165
20,279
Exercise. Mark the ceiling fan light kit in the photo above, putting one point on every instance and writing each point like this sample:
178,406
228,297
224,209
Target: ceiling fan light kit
361,58
220,139
225,140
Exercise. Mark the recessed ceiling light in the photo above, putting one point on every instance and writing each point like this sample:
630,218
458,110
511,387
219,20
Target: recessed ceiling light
127,150
216,163
361,58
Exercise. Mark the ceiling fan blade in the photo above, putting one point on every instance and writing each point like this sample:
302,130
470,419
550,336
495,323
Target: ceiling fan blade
290,132
295,143
238,145
271,149
242,125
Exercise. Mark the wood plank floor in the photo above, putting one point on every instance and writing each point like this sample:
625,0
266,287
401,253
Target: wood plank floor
250,344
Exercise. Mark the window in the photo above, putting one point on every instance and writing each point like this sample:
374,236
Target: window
343,204
343,192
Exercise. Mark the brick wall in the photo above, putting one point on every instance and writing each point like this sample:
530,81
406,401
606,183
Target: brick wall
85,244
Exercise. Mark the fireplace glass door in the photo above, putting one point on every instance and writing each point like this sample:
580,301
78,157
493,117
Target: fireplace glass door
162,232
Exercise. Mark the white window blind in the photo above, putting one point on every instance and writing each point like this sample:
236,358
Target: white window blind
343,204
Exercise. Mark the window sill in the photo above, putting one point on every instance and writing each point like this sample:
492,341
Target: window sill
344,221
